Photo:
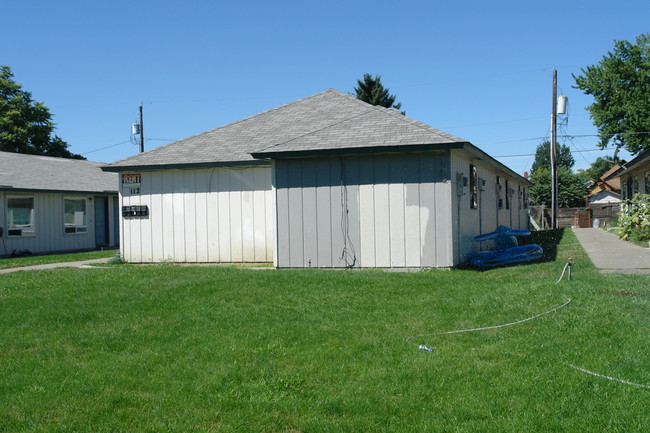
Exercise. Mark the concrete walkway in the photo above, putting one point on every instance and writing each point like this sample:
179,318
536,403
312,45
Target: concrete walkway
612,255
79,264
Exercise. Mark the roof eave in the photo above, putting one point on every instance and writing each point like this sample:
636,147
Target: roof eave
182,166
467,146
479,154
362,150
57,191
630,165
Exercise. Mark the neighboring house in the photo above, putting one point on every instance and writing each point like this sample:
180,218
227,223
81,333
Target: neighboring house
325,181
606,191
55,204
634,176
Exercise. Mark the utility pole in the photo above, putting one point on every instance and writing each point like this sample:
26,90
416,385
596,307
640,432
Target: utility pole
141,131
554,190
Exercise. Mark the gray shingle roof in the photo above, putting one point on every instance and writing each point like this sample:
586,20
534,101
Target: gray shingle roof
44,173
327,120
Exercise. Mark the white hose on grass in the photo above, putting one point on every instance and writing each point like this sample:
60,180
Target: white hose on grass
606,377
429,349
408,339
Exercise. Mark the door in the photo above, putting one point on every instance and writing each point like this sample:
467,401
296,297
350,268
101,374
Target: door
116,222
101,221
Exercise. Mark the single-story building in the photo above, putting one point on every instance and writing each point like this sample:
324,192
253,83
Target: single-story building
55,204
634,176
605,191
325,181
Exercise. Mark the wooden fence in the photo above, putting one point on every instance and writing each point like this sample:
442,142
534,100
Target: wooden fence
576,216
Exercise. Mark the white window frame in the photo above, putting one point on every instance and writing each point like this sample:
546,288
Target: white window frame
74,228
16,231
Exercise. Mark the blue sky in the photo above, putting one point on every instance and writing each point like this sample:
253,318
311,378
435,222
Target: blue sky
478,70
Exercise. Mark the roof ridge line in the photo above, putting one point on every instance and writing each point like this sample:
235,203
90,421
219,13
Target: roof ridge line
314,131
57,158
402,117
371,107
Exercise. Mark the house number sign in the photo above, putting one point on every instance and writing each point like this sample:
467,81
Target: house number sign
131,183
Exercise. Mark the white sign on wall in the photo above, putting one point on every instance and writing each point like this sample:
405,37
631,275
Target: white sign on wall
131,183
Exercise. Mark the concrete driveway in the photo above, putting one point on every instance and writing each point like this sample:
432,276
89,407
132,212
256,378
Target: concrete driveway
612,255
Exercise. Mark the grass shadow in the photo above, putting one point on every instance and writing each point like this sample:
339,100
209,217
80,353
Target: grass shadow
547,239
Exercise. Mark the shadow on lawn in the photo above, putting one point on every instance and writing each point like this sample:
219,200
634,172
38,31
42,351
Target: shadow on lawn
547,239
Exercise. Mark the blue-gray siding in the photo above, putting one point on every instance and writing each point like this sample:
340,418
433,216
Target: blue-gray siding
370,211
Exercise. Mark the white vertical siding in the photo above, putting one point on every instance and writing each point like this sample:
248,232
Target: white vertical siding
397,213
466,220
485,219
381,224
201,215
49,232
371,211
201,253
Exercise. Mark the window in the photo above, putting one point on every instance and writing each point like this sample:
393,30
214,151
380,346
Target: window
507,196
473,187
20,216
635,186
499,194
74,217
525,198
628,189
647,182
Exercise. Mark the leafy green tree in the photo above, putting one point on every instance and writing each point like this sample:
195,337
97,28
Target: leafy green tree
599,167
372,91
572,187
543,156
620,85
25,125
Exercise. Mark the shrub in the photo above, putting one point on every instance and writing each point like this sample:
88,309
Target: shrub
634,219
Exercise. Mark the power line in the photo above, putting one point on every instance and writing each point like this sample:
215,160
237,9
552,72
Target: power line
565,136
533,154
107,147
124,142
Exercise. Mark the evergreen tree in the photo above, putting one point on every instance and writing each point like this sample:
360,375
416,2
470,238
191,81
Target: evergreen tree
372,91
543,156
25,125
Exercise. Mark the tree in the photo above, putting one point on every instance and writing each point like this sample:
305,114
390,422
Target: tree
372,91
572,187
599,167
25,125
543,157
620,85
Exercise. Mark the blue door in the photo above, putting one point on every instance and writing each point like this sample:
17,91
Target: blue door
116,222
101,221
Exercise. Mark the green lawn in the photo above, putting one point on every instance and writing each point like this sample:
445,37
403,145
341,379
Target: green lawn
213,349
19,262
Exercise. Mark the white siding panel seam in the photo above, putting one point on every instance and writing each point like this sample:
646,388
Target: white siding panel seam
316,221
